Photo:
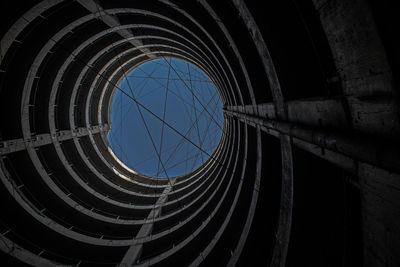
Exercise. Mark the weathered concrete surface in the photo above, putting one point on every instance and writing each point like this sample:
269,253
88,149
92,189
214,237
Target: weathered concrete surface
15,145
112,21
367,83
325,112
362,65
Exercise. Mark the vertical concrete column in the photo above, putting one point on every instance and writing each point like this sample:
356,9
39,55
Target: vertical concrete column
15,145
368,87
134,251
362,65
112,21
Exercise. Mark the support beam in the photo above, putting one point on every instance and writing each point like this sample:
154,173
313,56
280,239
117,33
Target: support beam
363,149
326,112
112,21
134,251
14,145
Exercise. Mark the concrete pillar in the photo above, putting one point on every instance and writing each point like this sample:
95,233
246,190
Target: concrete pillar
112,21
14,145
134,251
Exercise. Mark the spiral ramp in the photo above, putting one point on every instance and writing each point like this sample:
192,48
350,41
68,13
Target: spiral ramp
307,169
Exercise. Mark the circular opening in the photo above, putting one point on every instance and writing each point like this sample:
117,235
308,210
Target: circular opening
166,117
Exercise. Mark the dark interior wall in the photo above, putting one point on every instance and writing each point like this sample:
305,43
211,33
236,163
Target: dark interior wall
326,227
260,241
299,52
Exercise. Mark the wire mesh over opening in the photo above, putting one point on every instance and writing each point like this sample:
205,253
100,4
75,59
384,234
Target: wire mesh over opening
166,117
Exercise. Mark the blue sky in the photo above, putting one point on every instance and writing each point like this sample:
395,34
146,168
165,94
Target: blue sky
178,93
